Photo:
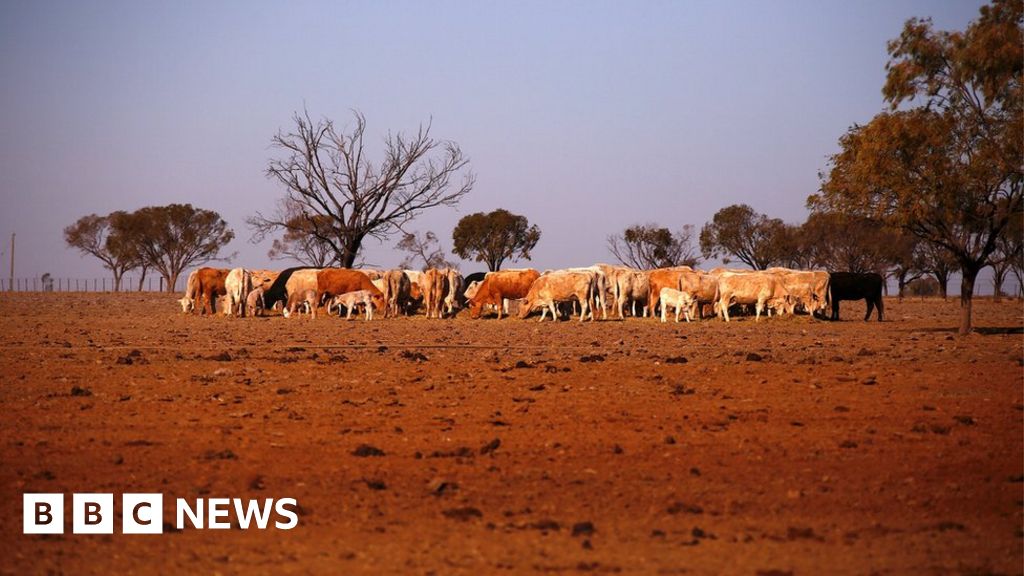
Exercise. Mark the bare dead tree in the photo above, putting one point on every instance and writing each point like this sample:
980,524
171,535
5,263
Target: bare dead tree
426,249
650,246
327,174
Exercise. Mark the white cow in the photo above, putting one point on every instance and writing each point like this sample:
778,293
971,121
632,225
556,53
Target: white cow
560,286
307,300
676,298
352,299
631,286
451,300
600,287
761,289
238,284
188,302
254,301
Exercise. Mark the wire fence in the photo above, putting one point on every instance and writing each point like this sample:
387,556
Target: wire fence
51,284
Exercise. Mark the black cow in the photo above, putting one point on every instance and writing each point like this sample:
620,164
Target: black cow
856,286
474,277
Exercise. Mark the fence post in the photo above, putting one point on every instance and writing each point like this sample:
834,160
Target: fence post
161,283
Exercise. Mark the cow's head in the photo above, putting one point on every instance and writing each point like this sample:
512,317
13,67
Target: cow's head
378,301
187,304
474,308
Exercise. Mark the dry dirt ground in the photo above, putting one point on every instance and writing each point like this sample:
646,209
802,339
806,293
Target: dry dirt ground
788,446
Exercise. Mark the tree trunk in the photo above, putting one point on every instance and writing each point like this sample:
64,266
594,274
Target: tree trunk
901,281
969,275
350,246
944,287
998,278
172,279
117,280
142,279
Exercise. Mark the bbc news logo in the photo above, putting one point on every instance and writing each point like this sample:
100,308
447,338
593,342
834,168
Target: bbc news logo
143,513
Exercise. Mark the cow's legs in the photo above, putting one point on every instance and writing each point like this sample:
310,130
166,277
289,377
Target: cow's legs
880,308
871,306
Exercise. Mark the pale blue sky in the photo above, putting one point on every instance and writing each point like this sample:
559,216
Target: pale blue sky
587,117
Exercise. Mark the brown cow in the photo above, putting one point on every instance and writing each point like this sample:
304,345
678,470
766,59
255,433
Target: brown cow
332,282
433,282
396,292
663,278
204,283
496,286
702,288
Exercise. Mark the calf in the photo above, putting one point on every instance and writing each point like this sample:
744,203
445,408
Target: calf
678,299
254,301
352,299
307,299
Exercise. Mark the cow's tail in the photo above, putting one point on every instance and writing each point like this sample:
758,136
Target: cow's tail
616,290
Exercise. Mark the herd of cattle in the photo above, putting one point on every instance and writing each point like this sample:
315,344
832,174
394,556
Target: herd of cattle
588,292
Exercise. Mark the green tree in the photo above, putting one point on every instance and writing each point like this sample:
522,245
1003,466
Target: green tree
944,162
849,243
741,232
105,238
494,237
174,237
651,246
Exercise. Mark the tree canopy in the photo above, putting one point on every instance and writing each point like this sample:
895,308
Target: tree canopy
944,161
105,238
174,237
741,232
494,237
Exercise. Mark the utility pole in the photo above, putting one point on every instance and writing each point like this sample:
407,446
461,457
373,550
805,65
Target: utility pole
10,281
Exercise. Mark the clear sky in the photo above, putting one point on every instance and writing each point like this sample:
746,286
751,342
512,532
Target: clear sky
586,117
